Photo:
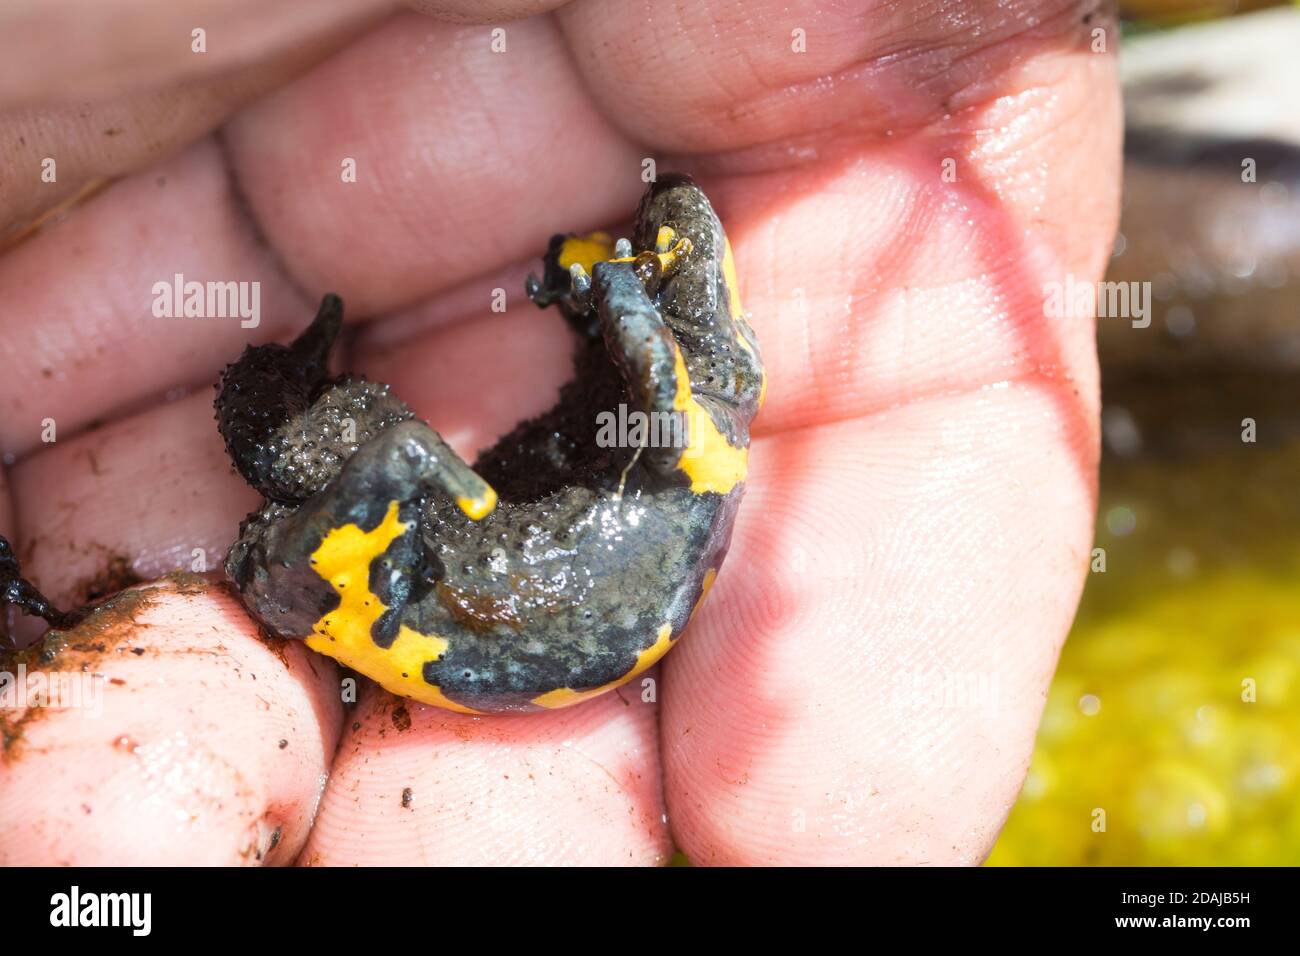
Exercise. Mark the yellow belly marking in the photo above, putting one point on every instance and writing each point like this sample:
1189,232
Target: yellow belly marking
737,311
710,576
343,559
710,461
564,697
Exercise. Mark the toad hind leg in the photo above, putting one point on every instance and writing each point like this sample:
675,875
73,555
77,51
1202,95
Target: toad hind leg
646,353
701,438
287,425
267,387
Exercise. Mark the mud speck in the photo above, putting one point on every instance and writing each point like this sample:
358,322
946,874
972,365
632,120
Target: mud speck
187,583
77,649
401,717
117,575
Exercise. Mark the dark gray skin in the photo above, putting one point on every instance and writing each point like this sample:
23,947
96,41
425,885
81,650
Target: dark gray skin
590,552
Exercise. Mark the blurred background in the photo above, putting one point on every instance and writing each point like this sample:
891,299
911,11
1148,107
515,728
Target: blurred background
1176,708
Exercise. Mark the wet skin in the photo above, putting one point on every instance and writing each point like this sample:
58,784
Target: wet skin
572,555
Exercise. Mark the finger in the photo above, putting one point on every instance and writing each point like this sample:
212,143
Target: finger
713,78
193,742
54,153
454,151
474,380
82,342
82,49
872,284
949,510
7,527
130,501
482,11
864,685
417,786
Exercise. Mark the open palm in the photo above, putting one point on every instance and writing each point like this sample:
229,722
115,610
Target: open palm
899,181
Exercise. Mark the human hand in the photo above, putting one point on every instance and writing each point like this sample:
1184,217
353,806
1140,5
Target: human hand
919,508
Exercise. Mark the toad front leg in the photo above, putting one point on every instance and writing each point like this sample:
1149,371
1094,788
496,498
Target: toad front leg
22,594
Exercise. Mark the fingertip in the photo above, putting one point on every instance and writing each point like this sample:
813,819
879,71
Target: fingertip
168,733
416,785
